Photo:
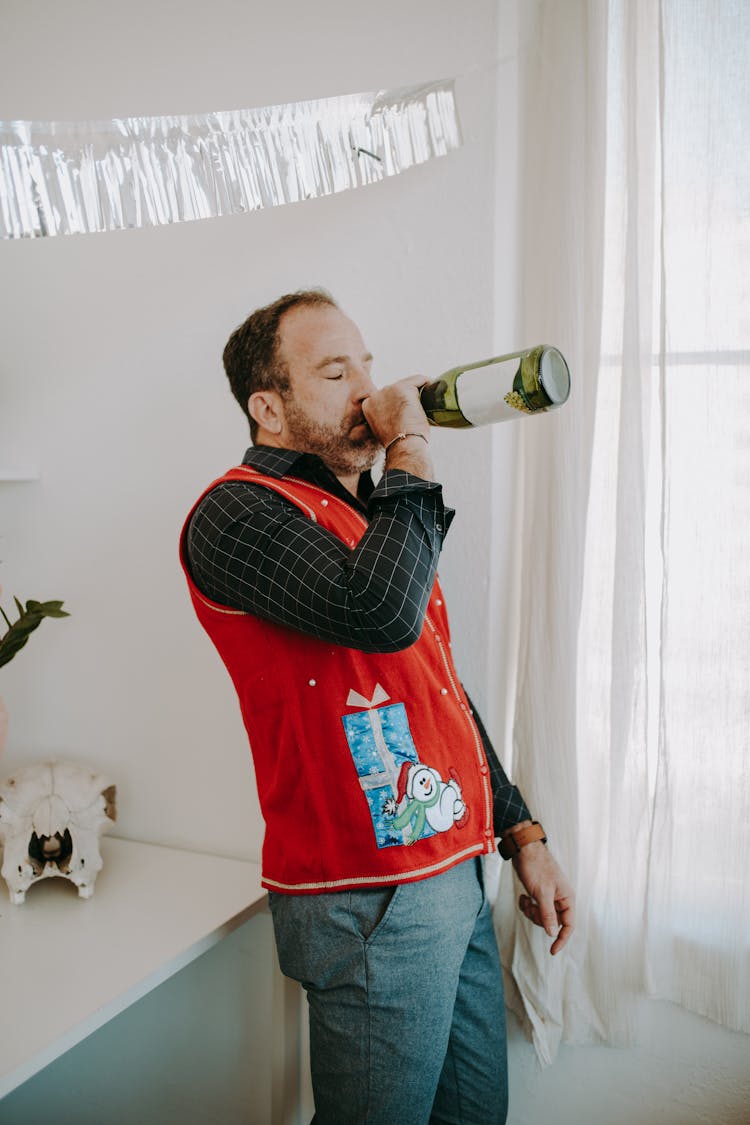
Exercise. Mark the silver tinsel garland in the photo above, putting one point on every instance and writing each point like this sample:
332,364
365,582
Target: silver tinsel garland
84,177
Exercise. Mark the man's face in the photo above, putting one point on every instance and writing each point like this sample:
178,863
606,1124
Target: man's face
329,374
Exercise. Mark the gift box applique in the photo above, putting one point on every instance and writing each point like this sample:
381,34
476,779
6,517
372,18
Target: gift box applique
408,800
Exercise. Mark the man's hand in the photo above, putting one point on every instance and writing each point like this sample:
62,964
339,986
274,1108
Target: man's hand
396,409
550,902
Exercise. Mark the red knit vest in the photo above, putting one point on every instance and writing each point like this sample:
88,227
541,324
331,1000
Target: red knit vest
370,769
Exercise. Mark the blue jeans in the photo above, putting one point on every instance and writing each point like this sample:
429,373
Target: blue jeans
407,1019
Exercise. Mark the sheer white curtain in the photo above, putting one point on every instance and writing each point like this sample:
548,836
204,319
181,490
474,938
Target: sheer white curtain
632,716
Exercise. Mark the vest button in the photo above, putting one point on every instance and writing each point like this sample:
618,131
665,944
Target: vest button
312,683
438,601
443,691
324,503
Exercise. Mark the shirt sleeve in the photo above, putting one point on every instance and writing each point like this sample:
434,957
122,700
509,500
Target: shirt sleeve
508,805
251,549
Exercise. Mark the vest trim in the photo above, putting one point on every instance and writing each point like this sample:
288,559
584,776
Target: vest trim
412,876
279,487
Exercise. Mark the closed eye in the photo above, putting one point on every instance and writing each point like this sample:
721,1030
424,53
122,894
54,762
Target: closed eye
337,366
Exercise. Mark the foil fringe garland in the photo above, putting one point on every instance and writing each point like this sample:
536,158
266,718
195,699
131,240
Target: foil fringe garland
85,177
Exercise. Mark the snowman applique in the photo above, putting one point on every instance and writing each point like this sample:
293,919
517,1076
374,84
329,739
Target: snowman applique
425,800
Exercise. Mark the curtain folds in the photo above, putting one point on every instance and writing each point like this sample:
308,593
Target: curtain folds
632,713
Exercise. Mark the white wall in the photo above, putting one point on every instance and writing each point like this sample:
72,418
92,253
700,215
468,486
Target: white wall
111,374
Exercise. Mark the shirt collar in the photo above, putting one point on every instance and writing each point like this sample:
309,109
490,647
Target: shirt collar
282,462
272,461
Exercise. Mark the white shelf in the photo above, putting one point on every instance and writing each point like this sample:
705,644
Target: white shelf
68,965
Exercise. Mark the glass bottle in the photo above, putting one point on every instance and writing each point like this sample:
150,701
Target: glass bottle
498,389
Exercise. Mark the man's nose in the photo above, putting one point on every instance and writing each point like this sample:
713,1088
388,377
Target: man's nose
362,386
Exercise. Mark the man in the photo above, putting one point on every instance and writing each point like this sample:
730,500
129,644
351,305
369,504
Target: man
378,785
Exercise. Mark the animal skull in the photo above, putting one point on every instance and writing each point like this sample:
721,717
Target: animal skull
51,817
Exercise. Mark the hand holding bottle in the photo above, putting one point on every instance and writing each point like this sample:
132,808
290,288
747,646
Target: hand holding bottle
396,418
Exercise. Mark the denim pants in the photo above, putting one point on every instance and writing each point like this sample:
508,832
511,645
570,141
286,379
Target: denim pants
407,1019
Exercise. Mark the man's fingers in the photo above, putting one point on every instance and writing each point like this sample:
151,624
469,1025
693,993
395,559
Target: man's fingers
561,940
530,907
567,914
561,922
544,912
525,906
414,380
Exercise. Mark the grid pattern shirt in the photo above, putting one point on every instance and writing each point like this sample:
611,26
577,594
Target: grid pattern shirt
251,549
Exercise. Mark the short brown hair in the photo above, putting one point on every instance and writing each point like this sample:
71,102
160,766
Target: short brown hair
251,356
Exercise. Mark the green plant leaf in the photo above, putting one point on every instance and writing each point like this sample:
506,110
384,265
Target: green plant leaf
51,609
30,619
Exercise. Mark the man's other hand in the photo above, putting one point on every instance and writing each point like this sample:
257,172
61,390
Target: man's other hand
550,900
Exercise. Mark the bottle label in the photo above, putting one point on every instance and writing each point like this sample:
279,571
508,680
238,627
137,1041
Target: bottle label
486,394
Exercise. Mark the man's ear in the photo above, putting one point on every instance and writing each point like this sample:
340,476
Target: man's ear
266,408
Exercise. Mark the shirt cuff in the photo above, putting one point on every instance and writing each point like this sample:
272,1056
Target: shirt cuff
396,484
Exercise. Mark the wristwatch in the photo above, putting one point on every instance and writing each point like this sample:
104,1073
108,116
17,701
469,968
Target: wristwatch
511,844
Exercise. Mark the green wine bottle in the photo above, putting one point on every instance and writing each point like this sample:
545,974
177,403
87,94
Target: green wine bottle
499,389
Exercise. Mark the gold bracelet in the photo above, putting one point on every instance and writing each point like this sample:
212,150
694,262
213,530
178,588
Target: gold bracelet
401,437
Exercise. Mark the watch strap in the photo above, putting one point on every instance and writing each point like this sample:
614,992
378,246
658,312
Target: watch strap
511,844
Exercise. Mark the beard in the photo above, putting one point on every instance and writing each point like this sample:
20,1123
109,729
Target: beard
335,445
